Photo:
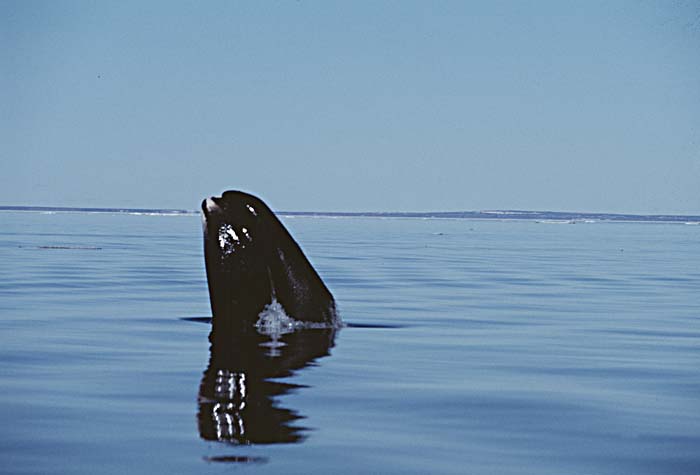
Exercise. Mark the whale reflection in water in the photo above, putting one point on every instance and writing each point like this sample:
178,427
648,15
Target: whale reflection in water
238,395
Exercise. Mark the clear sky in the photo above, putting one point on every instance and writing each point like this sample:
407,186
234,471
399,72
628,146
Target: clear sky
353,105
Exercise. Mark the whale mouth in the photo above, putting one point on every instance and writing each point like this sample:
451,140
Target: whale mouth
210,208
210,205
228,202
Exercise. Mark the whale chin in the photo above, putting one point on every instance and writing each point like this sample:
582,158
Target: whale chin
209,205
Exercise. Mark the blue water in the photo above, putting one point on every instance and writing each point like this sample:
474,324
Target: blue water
513,347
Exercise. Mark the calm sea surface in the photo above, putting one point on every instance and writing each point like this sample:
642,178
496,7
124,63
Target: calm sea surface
515,347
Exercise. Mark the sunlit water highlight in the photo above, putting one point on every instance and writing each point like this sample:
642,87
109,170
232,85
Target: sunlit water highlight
521,347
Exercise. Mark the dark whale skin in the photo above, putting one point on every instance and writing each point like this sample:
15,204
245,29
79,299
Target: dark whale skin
251,260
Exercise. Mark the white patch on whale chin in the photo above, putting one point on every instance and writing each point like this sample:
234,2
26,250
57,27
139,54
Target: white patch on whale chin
227,239
211,205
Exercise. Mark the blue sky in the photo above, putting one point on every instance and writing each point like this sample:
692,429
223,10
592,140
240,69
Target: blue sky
353,106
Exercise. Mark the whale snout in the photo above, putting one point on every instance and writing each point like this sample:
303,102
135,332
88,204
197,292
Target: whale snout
210,205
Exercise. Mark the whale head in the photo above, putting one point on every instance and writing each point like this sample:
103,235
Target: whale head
252,261
236,250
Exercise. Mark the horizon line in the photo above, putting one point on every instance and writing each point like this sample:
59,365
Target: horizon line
487,213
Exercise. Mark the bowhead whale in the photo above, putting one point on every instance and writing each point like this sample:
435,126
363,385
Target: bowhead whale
252,262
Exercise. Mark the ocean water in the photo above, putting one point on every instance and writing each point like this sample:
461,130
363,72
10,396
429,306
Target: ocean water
502,347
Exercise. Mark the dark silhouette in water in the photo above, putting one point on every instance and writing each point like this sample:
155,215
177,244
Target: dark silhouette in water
252,261
255,269
238,393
